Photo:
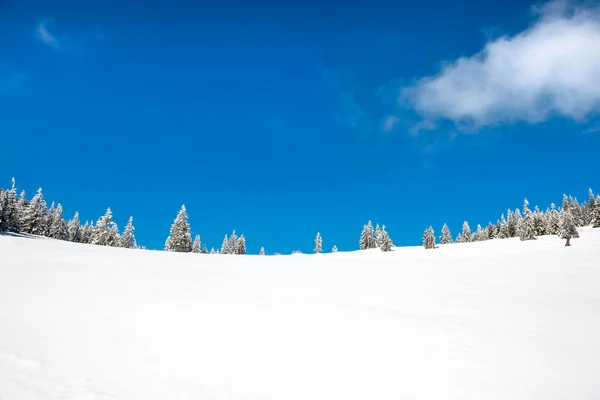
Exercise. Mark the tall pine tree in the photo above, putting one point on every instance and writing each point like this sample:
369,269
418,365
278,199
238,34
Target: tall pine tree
446,237
567,229
33,221
527,228
74,229
429,238
318,243
196,248
180,238
128,238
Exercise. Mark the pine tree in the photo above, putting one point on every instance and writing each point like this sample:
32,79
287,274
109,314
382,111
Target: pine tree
335,249
225,246
512,224
595,212
539,223
204,249
366,238
429,238
446,237
479,234
466,232
34,215
527,228
565,202
10,216
567,229
86,232
459,238
58,228
552,221
490,231
577,212
48,219
503,228
519,221
378,236
106,232
233,243
318,243
262,251
180,238
386,244
196,244
128,238
212,250
241,245
74,229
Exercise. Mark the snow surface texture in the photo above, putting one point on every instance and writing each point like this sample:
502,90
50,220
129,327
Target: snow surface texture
500,319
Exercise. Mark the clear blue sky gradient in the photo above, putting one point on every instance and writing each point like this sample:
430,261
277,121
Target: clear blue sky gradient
266,119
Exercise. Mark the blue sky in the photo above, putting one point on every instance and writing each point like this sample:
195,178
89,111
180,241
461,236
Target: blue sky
281,121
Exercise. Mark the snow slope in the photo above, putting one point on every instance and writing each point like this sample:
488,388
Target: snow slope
502,319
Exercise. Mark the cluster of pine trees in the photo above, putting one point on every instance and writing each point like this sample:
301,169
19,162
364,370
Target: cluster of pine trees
527,224
19,215
180,239
375,238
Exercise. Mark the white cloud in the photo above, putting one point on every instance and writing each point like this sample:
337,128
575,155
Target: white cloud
45,36
551,68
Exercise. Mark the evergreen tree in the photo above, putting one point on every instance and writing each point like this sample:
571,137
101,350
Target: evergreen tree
503,228
519,220
552,221
539,223
446,237
58,229
490,231
128,238
74,229
512,223
459,238
318,243
576,211
48,219
378,236
565,202
429,238
233,243
212,250
204,249
366,238
106,232
180,238
86,232
386,244
527,228
34,215
479,235
196,244
466,233
262,251
10,216
335,249
225,246
241,245
595,213
567,229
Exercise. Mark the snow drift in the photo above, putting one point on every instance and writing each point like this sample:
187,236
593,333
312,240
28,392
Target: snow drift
501,319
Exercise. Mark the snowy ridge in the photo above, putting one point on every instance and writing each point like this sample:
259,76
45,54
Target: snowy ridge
499,319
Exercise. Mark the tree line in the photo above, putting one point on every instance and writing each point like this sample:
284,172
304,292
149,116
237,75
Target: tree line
19,215
528,224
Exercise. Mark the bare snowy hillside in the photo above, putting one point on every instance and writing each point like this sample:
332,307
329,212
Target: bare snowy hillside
499,319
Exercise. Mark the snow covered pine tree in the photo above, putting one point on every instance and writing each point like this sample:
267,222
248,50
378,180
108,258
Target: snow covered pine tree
429,238
180,239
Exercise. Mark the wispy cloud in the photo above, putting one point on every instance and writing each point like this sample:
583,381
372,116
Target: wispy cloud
593,129
45,36
551,68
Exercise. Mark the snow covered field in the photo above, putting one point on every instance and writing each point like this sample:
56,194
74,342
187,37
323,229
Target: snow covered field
501,319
